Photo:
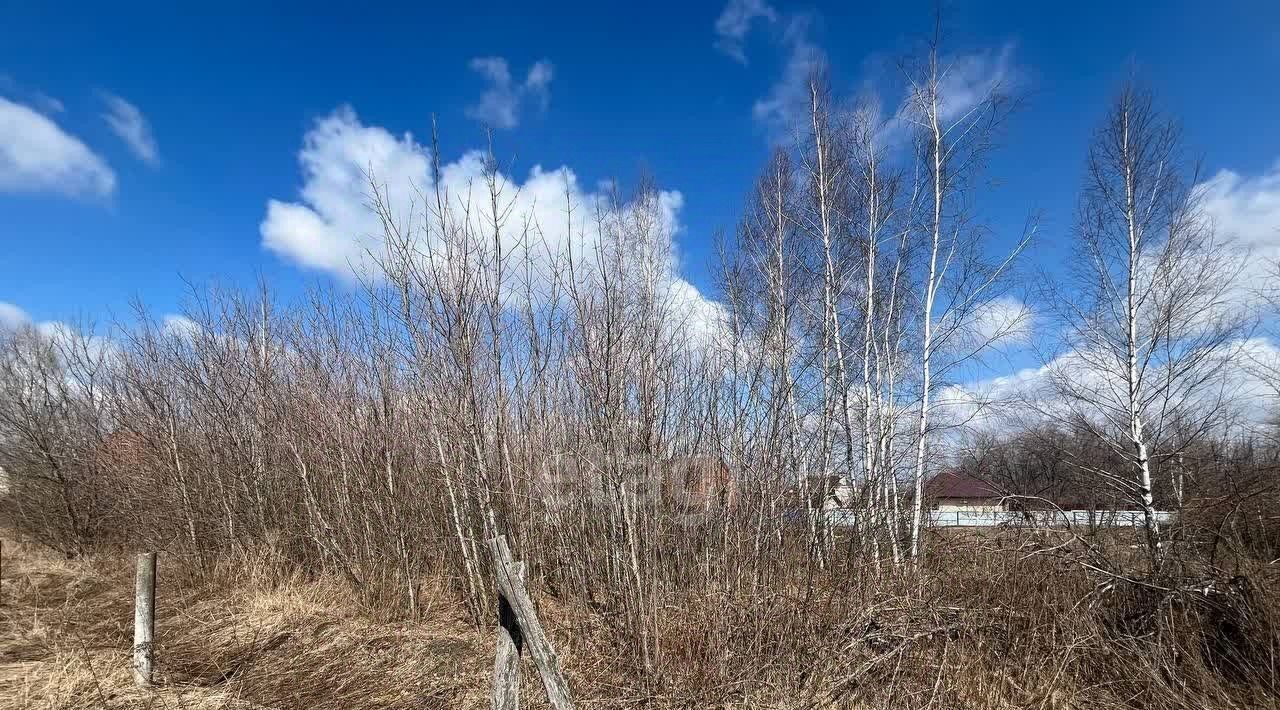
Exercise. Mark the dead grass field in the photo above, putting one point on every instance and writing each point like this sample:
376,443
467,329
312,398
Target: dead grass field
974,634
66,626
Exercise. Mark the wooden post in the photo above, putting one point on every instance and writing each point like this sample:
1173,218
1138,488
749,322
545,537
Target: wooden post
506,662
511,587
144,619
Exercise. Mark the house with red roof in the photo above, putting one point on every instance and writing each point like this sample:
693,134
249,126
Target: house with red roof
957,491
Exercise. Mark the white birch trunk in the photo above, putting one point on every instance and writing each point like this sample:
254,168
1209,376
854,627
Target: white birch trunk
931,287
1132,375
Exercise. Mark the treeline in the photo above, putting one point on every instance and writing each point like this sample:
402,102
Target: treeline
1224,489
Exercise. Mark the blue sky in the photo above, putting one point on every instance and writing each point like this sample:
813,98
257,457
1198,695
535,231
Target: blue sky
140,145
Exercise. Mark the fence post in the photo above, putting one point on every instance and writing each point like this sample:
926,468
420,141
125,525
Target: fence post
506,662
511,586
144,619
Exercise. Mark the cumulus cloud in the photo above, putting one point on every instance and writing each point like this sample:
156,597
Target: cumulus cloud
71,341
12,317
36,155
1247,389
331,227
988,403
1243,208
735,23
1246,209
180,326
548,216
1004,321
127,122
500,105
77,344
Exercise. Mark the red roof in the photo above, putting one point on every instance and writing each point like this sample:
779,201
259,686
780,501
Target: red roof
957,484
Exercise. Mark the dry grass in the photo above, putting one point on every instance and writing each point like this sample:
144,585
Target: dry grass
986,629
65,633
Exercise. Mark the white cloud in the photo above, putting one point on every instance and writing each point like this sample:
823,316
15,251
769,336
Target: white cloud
987,403
967,80
1243,208
786,104
127,122
56,330
1248,388
180,326
735,22
499,106
704,321
38,156
75,341
1246,209
970,79
1003,321
12,317
80,346
331,227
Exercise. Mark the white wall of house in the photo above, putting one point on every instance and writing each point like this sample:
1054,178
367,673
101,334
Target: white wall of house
969,505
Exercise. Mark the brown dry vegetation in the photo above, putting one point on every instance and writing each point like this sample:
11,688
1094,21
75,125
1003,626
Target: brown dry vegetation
228,638
989,629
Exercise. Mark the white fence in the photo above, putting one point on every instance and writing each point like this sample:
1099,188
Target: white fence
1028,519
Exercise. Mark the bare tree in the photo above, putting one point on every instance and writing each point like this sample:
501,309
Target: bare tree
54,421
953,137
1148,319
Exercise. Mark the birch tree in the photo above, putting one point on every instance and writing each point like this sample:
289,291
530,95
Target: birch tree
826,174
959,284
1147,313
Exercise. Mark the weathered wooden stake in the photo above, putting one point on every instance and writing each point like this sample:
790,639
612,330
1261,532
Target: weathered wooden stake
506,662
512,590
144,619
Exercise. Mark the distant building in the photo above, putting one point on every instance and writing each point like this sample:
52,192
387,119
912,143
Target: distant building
957,499
700,481
956,491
